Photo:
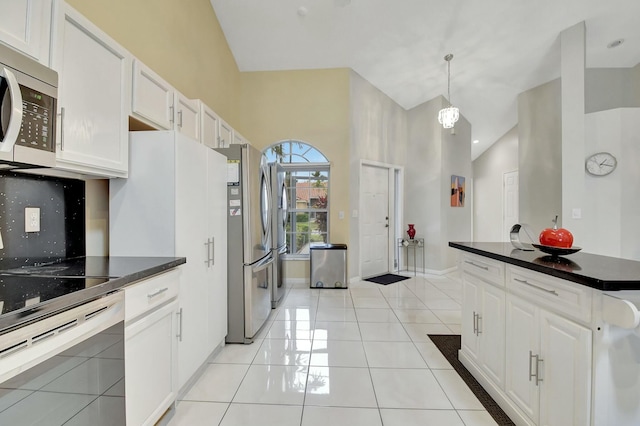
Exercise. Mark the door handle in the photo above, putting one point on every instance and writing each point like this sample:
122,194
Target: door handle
15,122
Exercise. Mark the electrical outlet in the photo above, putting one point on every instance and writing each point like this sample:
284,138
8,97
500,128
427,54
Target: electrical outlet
32,219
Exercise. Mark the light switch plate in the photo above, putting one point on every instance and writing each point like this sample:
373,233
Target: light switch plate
32,219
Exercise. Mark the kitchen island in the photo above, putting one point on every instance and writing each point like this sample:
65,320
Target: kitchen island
554,340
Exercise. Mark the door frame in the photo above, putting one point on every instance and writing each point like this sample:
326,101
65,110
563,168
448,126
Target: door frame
504,201
396,201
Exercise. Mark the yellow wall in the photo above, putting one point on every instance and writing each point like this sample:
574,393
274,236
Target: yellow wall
311,106
180,40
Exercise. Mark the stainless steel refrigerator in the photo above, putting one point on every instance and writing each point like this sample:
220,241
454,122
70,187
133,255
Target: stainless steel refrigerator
278,231
249,255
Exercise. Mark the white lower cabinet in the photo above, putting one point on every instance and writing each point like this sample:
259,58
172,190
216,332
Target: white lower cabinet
548,365
150,348
483,326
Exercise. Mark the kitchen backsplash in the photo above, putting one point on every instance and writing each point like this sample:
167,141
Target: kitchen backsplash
61,217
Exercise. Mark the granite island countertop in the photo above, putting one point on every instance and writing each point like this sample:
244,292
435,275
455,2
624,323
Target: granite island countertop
592,270
32,293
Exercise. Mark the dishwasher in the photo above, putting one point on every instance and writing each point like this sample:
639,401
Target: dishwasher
66,369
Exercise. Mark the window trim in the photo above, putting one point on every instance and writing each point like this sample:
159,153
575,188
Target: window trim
309,167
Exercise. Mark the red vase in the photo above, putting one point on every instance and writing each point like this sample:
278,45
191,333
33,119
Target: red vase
411,231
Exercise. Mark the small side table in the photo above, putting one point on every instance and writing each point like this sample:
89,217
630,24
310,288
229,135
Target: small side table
411,244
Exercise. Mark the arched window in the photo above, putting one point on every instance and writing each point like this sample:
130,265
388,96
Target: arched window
307,185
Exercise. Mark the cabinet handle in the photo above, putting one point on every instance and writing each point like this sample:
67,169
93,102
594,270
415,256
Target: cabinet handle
152,295
179,335
476,265
61,128
537,287
171,114
535,375
180,118
478,318
208,244
475,323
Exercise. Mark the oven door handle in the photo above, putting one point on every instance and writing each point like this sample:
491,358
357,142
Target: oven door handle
13,129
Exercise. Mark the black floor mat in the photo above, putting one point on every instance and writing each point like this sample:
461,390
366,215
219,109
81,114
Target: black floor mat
449,344
385,279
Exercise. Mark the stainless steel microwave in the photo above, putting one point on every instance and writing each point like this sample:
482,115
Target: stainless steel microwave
28,96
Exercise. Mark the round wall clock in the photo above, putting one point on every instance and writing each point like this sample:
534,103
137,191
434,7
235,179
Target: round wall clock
601,164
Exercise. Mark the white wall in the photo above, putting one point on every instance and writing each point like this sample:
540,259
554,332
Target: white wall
97,217
436,154
378,133
612,207
488,171
540,155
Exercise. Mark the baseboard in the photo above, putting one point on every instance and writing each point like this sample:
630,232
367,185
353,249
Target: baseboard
296,281
498,395
354,280
196,376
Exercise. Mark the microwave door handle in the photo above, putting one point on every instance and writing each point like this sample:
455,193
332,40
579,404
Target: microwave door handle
13,129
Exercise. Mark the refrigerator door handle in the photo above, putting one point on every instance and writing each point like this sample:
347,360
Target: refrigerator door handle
263,264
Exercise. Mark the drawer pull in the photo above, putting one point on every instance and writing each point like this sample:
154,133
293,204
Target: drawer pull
476,265
162,290
537,287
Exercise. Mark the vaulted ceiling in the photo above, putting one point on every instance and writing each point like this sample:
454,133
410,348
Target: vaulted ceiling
501,47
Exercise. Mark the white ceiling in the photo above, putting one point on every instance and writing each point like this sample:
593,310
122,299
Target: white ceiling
501,47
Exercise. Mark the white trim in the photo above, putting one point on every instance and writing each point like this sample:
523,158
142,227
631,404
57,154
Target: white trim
354,280
395,200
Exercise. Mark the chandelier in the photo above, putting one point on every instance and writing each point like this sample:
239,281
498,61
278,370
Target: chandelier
449,115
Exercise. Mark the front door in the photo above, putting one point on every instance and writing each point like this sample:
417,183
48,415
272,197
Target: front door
374,182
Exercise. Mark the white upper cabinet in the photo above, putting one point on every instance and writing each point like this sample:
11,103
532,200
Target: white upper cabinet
25,25
225,134
187,116
94,97
238,138
209,126
151,98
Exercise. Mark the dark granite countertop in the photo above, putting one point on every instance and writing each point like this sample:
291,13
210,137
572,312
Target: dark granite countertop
63,285
592,270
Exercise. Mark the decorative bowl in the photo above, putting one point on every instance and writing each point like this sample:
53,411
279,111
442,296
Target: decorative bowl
557,251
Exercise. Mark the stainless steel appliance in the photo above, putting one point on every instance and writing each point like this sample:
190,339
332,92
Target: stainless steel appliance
28,92
249,257
278,231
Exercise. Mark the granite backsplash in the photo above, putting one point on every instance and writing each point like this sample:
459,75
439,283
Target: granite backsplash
62,219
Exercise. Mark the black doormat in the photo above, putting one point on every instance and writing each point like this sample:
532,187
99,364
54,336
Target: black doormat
449,344
385,279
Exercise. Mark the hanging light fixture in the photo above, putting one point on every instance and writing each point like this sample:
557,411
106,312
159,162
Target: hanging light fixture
449,115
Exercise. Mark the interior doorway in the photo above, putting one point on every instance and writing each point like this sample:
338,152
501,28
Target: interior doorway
510,195
378,212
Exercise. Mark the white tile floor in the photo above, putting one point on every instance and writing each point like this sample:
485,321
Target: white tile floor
342,357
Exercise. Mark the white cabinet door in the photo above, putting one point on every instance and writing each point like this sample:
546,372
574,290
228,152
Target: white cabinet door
25,25
565,391
470,309
217,222
150,360
209,125
94,97
225,133
522,327
491,329
191,239
151,97
238,138
187,116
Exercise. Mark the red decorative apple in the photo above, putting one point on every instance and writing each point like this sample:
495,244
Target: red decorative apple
556,237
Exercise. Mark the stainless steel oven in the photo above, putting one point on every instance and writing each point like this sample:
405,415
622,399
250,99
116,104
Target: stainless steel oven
28,96
67,369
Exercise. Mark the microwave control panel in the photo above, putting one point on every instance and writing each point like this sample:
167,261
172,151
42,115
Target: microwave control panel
38,120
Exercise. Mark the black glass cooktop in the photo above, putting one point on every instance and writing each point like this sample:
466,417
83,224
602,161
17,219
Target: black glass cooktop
22,291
